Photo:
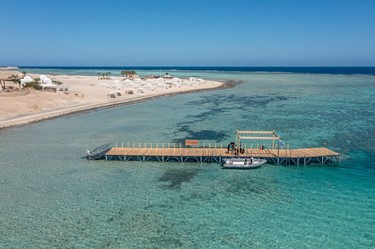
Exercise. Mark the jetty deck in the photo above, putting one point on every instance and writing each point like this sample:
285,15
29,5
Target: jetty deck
205,154
192,151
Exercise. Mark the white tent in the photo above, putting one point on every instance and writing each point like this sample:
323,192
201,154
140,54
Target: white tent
45,80
26,79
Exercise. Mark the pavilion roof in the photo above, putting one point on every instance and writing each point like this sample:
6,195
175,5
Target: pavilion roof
257,135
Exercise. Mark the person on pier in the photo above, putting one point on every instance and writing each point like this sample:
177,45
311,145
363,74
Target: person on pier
231,146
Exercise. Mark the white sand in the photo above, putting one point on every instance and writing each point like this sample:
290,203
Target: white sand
85,93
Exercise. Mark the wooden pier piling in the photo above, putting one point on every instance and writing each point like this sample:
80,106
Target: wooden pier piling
276,152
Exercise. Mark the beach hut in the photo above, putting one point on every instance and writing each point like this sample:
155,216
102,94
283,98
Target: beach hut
25,80
45,80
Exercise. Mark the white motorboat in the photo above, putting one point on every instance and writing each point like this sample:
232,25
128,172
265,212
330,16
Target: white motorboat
242,163
98,153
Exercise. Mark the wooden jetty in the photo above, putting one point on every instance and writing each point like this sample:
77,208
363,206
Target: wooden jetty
275,152
205,154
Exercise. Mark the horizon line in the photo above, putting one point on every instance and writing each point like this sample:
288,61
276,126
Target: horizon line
185,66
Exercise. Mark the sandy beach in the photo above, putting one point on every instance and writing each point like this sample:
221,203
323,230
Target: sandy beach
80,93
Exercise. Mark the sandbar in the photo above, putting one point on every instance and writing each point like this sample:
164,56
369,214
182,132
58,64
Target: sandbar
81,93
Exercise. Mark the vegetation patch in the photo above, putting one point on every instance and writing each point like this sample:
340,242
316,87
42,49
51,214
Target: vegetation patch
34,84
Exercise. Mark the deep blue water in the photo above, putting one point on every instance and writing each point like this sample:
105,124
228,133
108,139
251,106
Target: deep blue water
309,70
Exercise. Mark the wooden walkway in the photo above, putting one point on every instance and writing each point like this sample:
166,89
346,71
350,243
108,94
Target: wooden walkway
282,156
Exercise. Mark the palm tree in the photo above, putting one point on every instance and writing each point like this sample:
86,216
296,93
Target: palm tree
128,73
123,72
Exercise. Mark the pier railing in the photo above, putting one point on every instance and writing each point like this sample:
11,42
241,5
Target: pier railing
204,145
214,152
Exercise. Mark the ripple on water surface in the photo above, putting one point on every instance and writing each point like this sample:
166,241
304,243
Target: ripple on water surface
51,198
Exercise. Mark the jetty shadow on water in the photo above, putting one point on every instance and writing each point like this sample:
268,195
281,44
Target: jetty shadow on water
201,135
176,177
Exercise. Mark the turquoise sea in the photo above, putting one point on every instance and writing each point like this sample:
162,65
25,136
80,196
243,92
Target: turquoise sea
52,198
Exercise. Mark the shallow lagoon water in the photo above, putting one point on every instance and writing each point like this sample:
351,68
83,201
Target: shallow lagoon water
51,198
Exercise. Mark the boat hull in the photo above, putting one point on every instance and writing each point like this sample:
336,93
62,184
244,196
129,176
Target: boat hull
98,153
242,163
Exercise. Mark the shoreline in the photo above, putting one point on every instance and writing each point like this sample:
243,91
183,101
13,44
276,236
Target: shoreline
56,112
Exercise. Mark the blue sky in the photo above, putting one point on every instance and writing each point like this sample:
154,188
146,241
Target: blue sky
187,33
